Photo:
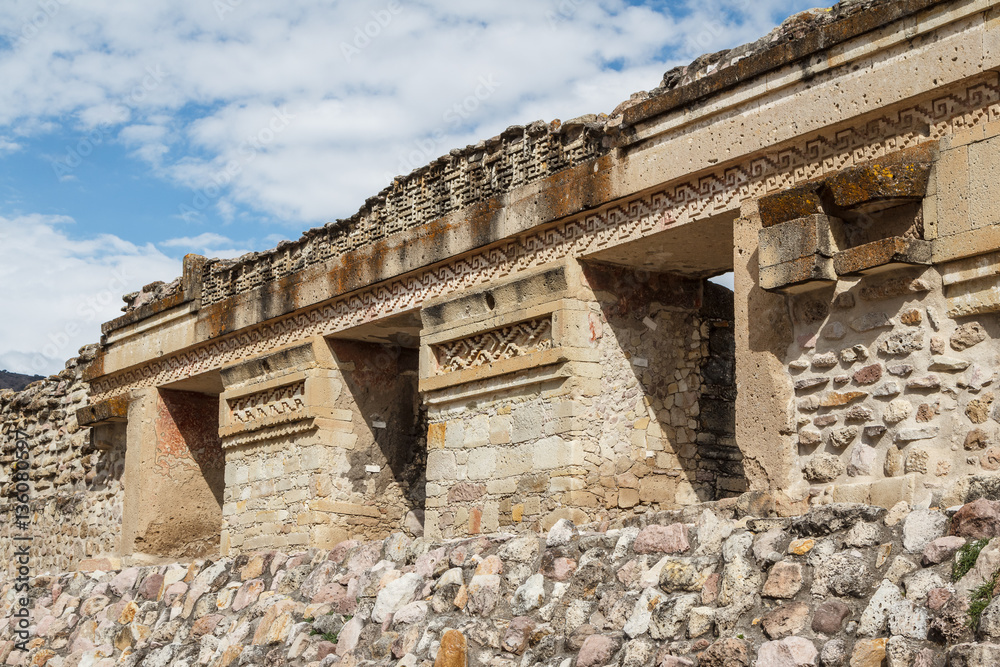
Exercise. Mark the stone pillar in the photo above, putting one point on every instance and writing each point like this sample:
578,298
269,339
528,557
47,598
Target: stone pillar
173,476
574,392
763,334
320,445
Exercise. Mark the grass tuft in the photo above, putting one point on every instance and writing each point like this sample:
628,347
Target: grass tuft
965,560
981,598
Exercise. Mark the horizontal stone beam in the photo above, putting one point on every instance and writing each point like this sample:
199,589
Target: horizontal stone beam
108,411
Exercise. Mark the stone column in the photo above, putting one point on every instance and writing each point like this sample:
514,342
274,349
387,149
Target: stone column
319,446
173,475
573,393
764,390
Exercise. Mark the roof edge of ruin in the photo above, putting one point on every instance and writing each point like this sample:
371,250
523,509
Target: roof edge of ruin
798,37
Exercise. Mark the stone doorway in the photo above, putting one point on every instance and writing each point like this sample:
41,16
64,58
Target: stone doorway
175,476
676,325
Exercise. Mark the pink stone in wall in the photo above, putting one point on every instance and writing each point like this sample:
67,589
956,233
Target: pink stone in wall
976,520
869,374
670,539
248,594
807,341
597,650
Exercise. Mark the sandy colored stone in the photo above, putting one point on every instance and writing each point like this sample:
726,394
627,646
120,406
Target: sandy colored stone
787,619
868,653
596,651
968,335
842,437
897,410
836,399
823,468
978,409
783,581
977,439
453,650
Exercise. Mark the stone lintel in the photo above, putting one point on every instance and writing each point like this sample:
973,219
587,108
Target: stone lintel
882,255
789,205
797,239
799,275
109,411
897,178
282,362
534,360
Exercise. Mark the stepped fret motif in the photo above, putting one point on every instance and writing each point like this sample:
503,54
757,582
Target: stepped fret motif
485,348
681,203
280,401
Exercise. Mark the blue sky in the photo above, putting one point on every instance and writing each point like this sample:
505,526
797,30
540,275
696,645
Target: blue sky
133,133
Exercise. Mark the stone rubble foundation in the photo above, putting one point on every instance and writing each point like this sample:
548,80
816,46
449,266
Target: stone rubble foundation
712,586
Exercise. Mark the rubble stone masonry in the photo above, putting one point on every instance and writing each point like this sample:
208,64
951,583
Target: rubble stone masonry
348,449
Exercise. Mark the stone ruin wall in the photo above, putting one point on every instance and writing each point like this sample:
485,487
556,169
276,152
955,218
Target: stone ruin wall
535,374
638,427
710,586
359,476
76,491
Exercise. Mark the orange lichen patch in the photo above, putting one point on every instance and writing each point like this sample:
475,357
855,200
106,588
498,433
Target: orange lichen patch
801,547
453,650
475,521
128,613
791,204
902,175
42,658
435,435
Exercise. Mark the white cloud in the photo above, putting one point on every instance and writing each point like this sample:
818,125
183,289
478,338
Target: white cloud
297,111
60,288
205,240
193,87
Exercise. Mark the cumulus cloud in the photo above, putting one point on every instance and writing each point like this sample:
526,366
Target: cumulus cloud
60,288
302,109
292,112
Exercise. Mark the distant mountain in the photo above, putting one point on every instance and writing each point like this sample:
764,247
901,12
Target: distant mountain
16,381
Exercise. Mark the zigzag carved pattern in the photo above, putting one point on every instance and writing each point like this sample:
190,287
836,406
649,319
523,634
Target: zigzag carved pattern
274,402
506,343
709,195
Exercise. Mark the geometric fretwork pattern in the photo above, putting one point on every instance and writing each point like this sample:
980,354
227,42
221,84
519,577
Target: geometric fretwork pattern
485,348
900,126
280,401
